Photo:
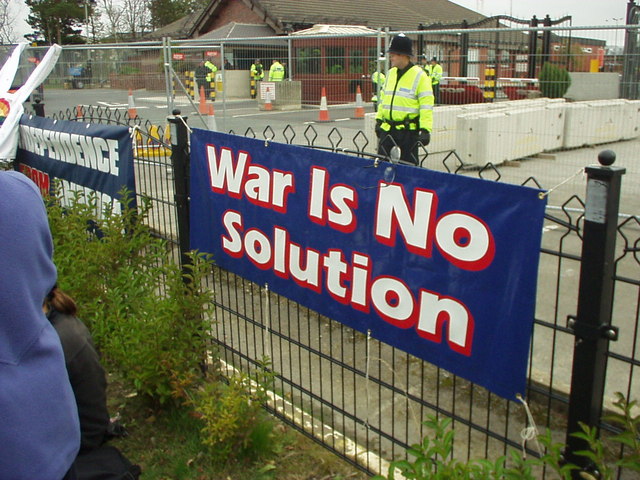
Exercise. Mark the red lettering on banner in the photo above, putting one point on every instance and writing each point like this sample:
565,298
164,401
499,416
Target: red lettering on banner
40,178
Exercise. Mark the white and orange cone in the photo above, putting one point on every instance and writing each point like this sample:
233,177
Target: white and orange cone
202,107
323,115
133,112
359,113
211,118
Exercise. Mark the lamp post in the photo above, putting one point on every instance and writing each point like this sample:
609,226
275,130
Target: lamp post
615,41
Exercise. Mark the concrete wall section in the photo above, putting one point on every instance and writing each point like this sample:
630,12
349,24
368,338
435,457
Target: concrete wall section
593,86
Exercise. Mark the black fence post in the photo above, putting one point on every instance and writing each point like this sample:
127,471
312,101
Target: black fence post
592,324
464,50
533,45
546,41
180,162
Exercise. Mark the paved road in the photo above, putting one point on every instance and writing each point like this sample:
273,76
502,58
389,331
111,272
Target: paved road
231,114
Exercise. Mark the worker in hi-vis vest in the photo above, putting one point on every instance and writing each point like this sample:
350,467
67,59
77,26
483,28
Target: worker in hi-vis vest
276,72
377,79
405,112
436,75
257,74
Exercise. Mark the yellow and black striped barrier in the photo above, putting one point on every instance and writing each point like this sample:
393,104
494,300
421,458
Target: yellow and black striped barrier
489,84
153,145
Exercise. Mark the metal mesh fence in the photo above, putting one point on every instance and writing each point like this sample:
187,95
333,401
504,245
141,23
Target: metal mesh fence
360,398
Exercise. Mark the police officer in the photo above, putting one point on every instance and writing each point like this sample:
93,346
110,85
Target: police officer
405,112
436,76
211,76
377,78
276,72
257,74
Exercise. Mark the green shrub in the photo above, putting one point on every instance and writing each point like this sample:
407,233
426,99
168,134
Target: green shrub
432,459
234,422
142,314
554,81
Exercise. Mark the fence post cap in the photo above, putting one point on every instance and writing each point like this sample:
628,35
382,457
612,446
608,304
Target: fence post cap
607,157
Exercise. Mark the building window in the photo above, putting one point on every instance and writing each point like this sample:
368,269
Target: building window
335,60
308,60
356,61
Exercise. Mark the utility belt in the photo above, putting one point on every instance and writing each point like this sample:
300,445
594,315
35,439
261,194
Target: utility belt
406,124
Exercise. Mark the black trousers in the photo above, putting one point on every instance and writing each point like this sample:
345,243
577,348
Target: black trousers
436,93
407,140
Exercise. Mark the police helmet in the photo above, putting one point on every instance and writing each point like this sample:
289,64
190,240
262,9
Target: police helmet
401,45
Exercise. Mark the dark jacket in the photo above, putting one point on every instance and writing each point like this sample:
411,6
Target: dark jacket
87,378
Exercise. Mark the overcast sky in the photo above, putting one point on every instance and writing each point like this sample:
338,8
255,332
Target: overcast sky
584,12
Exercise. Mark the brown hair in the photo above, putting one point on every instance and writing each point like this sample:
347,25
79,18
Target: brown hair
61,302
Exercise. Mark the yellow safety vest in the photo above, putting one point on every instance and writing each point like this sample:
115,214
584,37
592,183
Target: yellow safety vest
212,70
436,73
378,82
276,72
406,102
254,72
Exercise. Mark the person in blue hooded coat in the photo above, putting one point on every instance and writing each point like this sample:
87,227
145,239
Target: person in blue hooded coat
39,428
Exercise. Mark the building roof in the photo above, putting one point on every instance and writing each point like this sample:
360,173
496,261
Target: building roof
397,14
322,28
286,16
239,30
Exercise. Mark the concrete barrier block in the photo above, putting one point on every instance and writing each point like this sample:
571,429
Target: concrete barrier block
577,131
632,113
445,126
553,137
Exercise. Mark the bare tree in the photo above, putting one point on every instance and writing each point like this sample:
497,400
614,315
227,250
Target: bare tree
113,18
136,17
7,20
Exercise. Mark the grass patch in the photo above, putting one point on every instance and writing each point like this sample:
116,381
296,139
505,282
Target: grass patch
167,444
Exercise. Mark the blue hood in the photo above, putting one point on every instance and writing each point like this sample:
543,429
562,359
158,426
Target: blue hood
39,430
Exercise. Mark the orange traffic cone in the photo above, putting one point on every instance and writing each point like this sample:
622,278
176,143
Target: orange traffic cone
79,112
211,118
203,103
133,113
267,100
323,116
359,106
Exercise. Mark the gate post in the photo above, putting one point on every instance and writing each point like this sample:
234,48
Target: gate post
180,162
592,325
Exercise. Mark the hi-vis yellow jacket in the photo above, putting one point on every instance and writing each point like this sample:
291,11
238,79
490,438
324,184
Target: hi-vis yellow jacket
407,102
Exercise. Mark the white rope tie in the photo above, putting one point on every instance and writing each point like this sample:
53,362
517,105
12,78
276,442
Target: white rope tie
185,123
529,433
134,138
544,194
366,379
266,344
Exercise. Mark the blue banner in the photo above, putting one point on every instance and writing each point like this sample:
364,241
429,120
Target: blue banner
441,266
87,157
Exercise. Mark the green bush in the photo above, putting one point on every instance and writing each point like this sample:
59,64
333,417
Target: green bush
142,314
234,422
432,459
554,81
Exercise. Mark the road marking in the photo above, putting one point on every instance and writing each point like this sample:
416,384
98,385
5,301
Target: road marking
113,105
549,228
